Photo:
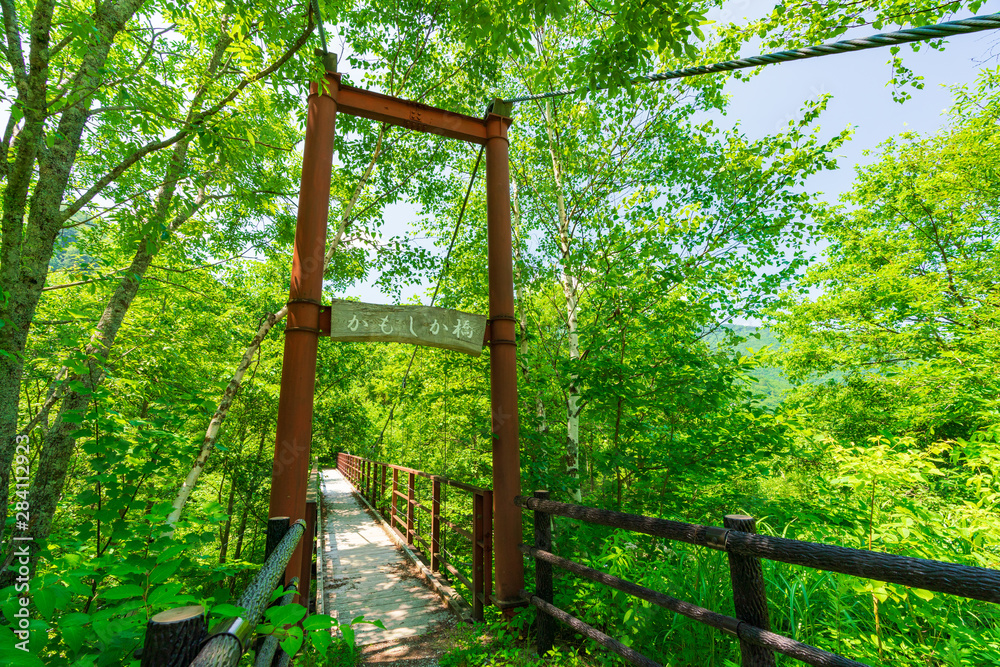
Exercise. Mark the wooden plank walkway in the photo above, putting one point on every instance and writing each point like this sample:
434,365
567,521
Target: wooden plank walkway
365,573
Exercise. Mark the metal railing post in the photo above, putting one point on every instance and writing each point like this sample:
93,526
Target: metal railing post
174,637
749,595
410,499
487,545
543,577
435,524
395,490
381,494
478,557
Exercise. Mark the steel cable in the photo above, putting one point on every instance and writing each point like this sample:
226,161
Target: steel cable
938,31
319,24
437,288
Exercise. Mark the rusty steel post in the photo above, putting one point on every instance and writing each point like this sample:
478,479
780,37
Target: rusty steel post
435,524
503,367
385,509
395,488
290,471
479,599
410,499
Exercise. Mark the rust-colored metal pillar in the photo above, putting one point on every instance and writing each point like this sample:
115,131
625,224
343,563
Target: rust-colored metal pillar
503,367
290,472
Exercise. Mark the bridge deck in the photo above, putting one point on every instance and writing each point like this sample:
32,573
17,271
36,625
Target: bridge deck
365,573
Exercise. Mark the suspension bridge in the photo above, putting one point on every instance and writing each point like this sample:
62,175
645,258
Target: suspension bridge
414,550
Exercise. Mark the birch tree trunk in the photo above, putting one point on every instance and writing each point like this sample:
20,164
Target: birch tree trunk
569,288
212,434
522,315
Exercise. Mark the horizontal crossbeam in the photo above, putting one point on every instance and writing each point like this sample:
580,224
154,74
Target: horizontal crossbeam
411,115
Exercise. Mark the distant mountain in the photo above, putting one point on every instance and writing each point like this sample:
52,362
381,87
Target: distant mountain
771,382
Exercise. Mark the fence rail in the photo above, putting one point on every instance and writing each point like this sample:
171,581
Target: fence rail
394,496
745,549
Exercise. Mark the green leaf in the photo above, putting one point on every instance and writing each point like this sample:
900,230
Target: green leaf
228,610
15,656
286,615
123,592
292,643
321,641
317,622
45,602
163,571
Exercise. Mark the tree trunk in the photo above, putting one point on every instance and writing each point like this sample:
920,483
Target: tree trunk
25,249
522,314
50,475
247,499
224,537
569,287
208,442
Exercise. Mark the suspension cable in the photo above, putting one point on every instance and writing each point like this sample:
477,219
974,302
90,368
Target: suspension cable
319,24
938,31
437,288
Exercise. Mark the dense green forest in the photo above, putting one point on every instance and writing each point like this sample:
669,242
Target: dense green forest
149,169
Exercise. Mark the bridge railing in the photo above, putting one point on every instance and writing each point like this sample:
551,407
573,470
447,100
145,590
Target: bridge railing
394,493
745,549
180,638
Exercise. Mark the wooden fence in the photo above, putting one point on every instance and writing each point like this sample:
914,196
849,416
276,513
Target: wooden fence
745,550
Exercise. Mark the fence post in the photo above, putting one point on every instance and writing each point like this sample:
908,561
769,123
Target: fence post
381,494
410,499
435,524
395,489
277,526
543,577
174,637
749,596
477,557
308,551
487,545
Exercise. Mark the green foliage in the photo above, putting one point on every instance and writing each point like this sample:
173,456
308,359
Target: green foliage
497,645
908,305
323,641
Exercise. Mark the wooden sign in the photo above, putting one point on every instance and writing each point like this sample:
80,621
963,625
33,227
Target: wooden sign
353,321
